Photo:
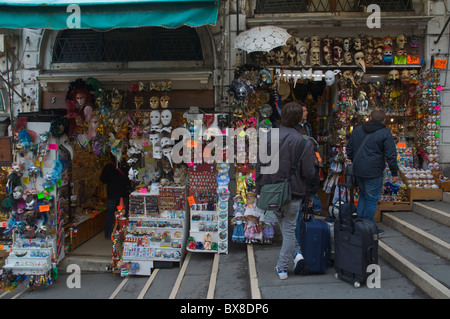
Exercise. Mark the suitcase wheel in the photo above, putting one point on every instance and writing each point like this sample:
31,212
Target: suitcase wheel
356,284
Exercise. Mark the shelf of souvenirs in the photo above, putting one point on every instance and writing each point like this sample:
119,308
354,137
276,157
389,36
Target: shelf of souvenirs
152,247
346,67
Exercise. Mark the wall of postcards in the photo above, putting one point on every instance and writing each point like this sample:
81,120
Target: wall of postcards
208,201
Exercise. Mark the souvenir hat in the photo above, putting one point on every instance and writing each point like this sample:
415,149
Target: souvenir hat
284,89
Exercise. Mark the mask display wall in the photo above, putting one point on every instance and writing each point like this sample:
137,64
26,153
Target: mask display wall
316,51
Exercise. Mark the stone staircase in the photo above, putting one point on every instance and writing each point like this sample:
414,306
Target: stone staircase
417,244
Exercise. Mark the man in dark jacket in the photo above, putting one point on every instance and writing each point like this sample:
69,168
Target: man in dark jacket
117,186
369,167
304,183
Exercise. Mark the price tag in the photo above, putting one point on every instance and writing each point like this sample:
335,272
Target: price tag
440,64
25,179
399,59
401,145
413,59
40,195
191,200
44,208
143,190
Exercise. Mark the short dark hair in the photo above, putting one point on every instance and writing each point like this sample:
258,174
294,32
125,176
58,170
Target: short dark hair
291,114
378,114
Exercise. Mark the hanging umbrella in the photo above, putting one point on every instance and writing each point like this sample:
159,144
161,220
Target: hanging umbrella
263,38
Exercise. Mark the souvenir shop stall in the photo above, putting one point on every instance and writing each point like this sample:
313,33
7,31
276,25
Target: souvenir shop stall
340,80
39,169
179,195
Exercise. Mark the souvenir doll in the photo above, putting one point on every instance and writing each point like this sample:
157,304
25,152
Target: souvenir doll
241,187
78,104
238,231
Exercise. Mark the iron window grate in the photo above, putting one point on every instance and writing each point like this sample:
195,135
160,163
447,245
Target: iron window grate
125,45
303,6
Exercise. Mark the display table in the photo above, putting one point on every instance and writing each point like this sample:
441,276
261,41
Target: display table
156,229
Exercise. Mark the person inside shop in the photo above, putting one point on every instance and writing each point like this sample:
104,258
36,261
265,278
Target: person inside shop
304,183
368,168
118,186
305,129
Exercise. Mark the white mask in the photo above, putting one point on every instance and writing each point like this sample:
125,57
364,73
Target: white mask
165,141
166,117
17,193
155,117
167,152
157,152
329,77
154,139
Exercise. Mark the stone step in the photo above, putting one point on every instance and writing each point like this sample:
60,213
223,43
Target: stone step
427,232
435,210
429,271
417,243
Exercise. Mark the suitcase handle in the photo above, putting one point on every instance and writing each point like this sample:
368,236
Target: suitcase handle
370,254
352,201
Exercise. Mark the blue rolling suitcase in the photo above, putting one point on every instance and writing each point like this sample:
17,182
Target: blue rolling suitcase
355,245
315,243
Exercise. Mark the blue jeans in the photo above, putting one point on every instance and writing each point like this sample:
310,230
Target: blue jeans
369,193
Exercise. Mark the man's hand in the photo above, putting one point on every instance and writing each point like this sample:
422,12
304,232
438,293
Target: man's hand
395,179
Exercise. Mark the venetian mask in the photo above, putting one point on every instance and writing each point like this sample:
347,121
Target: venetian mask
222,121
154,102
155,117
348,58
401,41
154,138
405,77
18,192
329,78
359,60
346,44
164,101
326,51
167,152
157,152
166,141
393,75
138,102
357,45
166,117
266,111
315,41
303,55
314,56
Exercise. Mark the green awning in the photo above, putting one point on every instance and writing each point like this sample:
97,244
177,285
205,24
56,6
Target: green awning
103,15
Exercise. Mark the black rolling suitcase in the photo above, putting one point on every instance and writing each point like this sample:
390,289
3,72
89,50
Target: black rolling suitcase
355,244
